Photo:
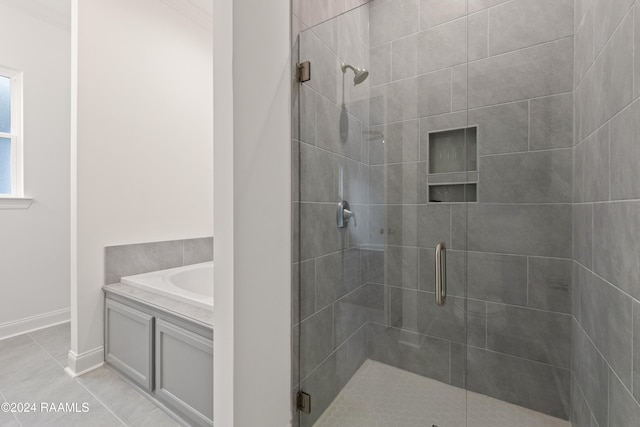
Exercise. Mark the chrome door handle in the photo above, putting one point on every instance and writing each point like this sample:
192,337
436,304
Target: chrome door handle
441,273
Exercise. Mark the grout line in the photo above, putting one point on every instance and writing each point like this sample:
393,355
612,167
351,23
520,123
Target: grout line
408,162
450,344
486,324
522,49
466,298
332,352
451,226
609,165
340,156
315,286
593,258
529,126
384,245
488,33
466,344
76,380
45,350
449,114
482,204
15,417
610,119
607,282
528,268
525,152
419,140
604,47
607,202
613,33
609,370
451,90
575,379
333,327
604,359
420,30
100,402
470,62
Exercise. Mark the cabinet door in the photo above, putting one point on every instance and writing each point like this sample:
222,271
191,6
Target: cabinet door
129,342
184,372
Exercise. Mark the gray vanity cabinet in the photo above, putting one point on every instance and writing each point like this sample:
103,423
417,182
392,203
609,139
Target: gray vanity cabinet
169,358
184,368
129,342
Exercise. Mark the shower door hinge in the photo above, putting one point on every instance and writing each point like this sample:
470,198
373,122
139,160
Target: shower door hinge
304,72
303,402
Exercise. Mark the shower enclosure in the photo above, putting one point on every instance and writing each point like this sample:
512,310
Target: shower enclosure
434,124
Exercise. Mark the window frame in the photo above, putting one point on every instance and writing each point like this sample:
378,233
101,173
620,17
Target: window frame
15,134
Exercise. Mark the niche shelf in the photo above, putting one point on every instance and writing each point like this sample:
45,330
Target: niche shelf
452,193
453,165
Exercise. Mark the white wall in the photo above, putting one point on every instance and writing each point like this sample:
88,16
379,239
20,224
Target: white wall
252,350
144,142
34,243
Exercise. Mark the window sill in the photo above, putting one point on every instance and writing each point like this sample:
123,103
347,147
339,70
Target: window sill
15,202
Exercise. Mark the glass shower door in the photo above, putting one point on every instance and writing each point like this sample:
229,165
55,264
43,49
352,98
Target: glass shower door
384,166
435,123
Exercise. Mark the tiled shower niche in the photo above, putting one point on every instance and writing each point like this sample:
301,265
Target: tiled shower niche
453,165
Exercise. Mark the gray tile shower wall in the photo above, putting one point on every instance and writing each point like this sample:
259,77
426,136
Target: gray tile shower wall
514,244
126,260
605,388
553,87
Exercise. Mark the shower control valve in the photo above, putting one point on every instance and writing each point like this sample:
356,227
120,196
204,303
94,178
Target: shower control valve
344,214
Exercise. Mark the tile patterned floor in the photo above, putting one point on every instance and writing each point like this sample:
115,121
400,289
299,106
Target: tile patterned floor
384,396
31,370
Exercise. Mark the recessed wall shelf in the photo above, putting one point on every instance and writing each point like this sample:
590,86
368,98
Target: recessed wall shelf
453,166
453,151
453,178
452,193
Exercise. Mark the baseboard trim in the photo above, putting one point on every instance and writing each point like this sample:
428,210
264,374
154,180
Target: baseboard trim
33,323
79,364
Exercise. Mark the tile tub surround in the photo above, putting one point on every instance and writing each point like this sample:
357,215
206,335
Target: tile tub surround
127,260
605,371
34,373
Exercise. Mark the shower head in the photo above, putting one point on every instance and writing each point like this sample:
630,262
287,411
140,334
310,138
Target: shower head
360,73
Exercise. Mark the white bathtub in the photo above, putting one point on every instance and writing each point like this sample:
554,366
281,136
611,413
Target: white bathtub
192,284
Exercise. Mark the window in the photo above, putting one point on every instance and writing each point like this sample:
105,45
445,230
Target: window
10,133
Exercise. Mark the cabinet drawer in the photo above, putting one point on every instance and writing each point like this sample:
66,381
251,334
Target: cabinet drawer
129,342
184,369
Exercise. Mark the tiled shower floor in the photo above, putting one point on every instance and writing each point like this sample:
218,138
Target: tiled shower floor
384,396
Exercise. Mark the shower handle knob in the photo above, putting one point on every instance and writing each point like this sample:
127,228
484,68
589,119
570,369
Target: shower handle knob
344,214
